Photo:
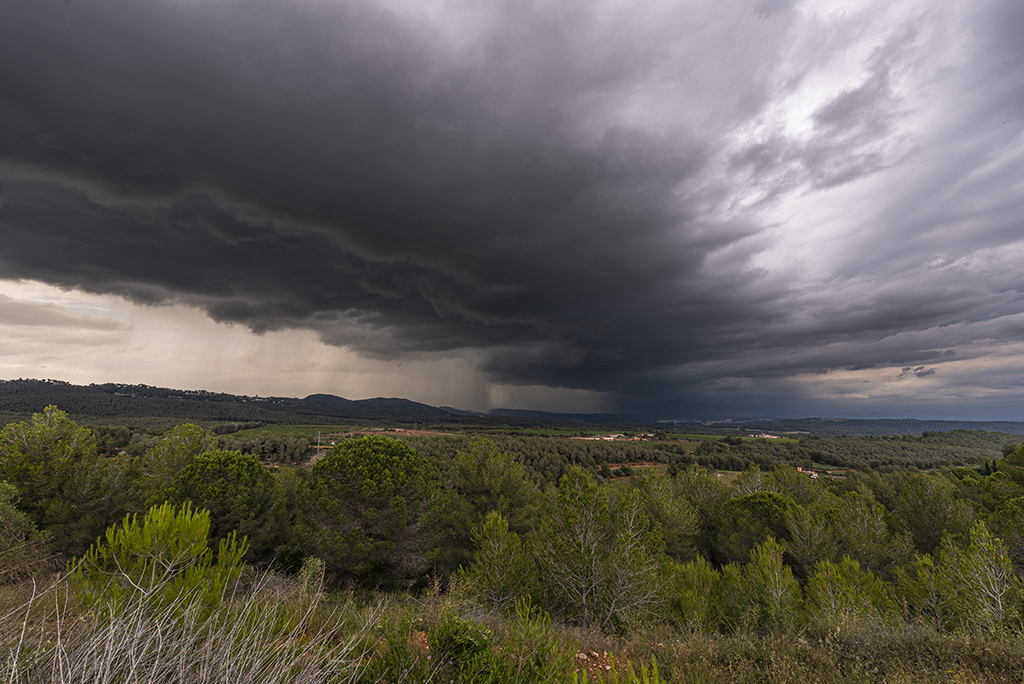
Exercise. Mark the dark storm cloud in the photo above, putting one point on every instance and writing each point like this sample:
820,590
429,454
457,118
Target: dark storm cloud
542,183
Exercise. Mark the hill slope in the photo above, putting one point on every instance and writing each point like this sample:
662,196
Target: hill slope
125,402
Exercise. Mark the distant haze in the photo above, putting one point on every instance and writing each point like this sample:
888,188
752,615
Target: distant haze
786,208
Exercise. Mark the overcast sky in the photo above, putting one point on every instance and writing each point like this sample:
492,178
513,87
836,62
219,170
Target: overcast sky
807,208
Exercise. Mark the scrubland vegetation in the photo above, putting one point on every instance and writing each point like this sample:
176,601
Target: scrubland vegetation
507,560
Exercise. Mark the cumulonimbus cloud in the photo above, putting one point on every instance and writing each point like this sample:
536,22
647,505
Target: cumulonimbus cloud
587,192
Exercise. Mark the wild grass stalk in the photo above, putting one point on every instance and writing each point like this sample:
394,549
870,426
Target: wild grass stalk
269,635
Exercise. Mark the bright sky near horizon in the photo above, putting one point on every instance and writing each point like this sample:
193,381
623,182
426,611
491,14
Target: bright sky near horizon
792,208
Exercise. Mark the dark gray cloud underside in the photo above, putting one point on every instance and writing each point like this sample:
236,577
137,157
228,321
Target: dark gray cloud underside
402,186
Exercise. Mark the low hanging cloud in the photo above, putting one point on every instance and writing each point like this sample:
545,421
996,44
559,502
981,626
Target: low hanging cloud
34,314
648,201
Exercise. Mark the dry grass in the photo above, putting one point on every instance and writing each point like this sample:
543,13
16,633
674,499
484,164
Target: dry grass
279,629
270,634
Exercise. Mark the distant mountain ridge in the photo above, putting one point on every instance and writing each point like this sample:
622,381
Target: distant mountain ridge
115,400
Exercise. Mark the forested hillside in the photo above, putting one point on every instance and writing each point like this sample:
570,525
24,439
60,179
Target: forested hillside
921,535
113,403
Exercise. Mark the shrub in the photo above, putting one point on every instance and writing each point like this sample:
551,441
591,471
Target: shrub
160,560
500,573
761,595
695,596
22,548
600,562
531,650
461,646
979,580
397,658
841,594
